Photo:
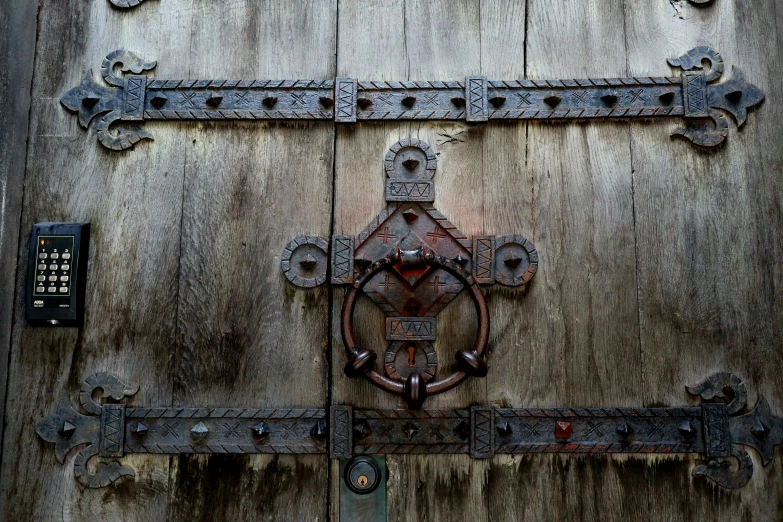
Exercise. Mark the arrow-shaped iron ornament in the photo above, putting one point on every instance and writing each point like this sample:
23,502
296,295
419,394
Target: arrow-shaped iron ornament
135,97
716,430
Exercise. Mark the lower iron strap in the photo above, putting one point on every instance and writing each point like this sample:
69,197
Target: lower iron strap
714,430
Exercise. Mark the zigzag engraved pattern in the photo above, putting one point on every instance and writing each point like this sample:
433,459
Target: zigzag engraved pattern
113,426
197,114
345,101
484,259
586,82
381,85
476,96
410,188
411,326
132,98
295,449
240,84
632,447
695,93
343,253
217,413
410,115
618,112
598,412
339,431
482,434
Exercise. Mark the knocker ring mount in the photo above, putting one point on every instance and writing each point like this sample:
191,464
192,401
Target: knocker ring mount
412,262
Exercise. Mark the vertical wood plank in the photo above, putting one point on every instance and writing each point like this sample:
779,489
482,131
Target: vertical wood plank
17,49
573,338
246,336
413,40
709,232
132,200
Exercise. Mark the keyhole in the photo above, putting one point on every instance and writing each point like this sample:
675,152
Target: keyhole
362,480
411,355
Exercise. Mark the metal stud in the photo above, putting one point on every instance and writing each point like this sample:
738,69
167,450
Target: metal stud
458,102
140,430
609,99
666,97
410,215
686,429
326,102
199,431
625,430
90,101
362,430
412,305
67,430
260,430
410,430
504,429
734,96
364,103
410,164
308,263
214,101
408,101
462,430
512,261
497,101
563,430
269,102
362,261
319,430
158,101
760,430
462,260
553,101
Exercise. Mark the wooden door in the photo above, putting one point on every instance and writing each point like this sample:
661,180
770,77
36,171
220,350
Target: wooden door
659,263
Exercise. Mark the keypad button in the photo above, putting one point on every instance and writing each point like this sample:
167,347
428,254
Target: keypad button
43,255
52,278
55,255
51,289
41,278
40,289
64,279
65,267
63,290
66,256
52,267
42,267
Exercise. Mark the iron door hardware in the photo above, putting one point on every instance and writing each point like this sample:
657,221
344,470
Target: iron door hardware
411,262
718,431
135,97
125,4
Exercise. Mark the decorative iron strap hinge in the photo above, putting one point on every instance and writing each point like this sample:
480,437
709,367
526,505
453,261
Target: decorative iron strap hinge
125,4
136,97
714,430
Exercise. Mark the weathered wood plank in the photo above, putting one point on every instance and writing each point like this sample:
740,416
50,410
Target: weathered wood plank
412,40
245,334
573,339
709,233
17,49
133,203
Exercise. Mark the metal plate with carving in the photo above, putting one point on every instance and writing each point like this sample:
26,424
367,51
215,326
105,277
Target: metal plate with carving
718,431
135,97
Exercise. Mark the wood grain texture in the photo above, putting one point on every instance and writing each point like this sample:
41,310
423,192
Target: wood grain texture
133,202
245,334
710,240
573,339
17,49
412,40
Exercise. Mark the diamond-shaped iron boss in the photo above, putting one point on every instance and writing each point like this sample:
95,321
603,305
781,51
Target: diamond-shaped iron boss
423,255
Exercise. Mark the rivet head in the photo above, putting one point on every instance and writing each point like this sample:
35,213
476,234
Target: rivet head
140,430
67,430
158,101
512,261
686,429
326,102
319,430
625,430
563,430
760,430
364,103
410,430
462,430
458,102
497,101
609,99
410,216
260,430
667,97
199,431
504,429
269,102
410,164
734,96
408,101
362,262
90,101
553,101
214,101
308,263
462,260
362,430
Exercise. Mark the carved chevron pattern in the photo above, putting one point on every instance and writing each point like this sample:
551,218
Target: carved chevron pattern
239,84
296,449
202,114
217,413
598,412
585,82
620,112
446,225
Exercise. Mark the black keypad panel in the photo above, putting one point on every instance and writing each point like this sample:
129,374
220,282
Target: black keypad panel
54,266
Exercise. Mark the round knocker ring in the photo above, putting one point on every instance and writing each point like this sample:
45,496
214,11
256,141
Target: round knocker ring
414,390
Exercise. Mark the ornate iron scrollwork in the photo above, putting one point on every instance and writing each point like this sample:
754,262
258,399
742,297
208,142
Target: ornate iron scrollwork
716,430
136,97
411,261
